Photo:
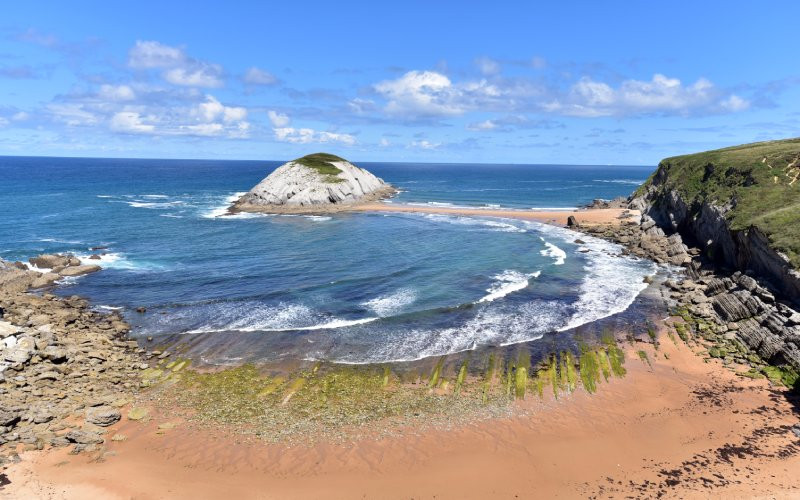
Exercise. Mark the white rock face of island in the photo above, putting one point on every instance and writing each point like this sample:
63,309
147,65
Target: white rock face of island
319,182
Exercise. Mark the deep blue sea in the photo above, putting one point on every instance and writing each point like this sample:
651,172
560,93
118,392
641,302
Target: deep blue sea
350,288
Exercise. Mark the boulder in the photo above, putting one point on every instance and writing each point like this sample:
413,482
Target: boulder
50,261
83,437
103,416
79,270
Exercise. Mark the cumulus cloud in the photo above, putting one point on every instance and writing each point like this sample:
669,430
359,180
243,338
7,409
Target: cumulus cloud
152,54
130,122
256,76
482,126
660,95
424,144
124,110
278,119
116,92
178,68
425,94
428,93
197,75
308,136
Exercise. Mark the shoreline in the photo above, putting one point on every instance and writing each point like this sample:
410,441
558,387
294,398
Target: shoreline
582,216
676,428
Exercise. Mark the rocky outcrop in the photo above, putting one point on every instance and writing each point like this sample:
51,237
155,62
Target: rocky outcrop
705,224
314,183
58,360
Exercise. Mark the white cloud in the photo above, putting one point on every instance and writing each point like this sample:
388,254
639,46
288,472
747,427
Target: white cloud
213,110
197,75
130,122
152,54
590,98
538,62
735,103
425,94
307,136
423,144
179,69
482,126
428,93
20,116
487,66
420,92
3,122
74,114
385,142
256,76
116,93
278,119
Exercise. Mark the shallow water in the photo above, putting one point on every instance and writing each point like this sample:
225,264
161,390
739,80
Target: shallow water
350,288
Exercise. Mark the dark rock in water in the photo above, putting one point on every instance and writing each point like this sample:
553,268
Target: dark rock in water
141,310
49,261
94,257
79,270
571,222
20,265
94,249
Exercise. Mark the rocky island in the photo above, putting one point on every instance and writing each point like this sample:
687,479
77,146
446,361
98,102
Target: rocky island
315,183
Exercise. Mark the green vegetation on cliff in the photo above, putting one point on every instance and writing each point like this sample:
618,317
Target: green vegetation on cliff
323,164
760,180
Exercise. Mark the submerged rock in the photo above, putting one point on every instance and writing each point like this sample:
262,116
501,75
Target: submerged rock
317,182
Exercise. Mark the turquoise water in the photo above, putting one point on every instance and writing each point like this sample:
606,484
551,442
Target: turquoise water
352,287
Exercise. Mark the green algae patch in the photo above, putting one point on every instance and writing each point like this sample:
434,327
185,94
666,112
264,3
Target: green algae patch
644,358
462,376
616,356
487,381
783,375
137,413
433,381
589,367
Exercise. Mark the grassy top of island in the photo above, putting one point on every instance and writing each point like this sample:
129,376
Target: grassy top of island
323,164
762,180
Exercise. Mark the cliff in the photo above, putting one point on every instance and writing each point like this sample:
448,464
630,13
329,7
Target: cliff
318,182
740,207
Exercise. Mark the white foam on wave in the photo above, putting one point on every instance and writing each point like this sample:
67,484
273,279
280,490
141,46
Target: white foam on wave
630,182
222,209
154,196
507,282
318,218
282,317
154,205
558,255
387,305
503,225
611,280
492,325
115,260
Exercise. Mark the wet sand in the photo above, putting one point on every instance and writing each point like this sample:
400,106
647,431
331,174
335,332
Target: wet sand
592,217
685,427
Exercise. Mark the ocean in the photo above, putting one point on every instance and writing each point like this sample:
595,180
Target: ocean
350,288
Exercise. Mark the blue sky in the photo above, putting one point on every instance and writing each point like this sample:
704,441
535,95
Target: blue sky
515,82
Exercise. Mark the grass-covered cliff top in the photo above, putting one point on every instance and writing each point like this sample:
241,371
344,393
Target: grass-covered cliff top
762,179
323,164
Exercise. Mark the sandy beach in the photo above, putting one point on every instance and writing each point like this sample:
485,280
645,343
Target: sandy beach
676,427
591,217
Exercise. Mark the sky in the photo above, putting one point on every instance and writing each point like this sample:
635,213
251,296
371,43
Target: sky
570,82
